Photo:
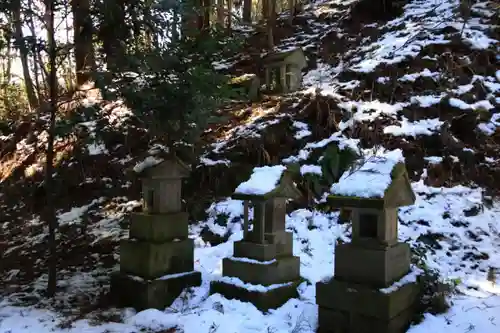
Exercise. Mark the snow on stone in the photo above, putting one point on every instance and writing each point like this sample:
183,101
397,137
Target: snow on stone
175,276
148,162
415,128
263,180
252,261
307,168
251,287
411,277
371,179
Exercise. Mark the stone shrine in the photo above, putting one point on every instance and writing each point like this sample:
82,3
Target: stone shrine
156,262
357,299
264,270
283,71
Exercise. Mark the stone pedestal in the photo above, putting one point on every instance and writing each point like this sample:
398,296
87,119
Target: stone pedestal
271,299
354,301
357,308
156,263
271,266
377,267
142,294
270,280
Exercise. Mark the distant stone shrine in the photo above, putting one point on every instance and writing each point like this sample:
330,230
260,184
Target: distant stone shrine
263,270
355,299
156,263
283,71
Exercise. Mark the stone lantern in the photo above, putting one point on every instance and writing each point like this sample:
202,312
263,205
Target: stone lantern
360,298
156,262
264,257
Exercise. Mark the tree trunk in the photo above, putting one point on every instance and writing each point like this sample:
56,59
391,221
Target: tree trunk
6,80
247,11
265,8
38,69
149,34
114,36
291,8
207,7
83,32
50,214
220,13
271,22
8,68
175,25
72,72
23,51
200,14
189,18
229,15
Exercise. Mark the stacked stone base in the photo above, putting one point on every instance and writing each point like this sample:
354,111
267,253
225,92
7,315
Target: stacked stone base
156,263
133,291
271,299
257,265
355,308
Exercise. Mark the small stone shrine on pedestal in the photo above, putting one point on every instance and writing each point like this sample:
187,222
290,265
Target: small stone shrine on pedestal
283,70
156,262
362,296
263,270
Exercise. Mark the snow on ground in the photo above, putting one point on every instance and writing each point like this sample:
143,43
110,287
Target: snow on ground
422,20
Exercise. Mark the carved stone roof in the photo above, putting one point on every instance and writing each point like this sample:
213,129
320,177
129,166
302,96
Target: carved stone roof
398,193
